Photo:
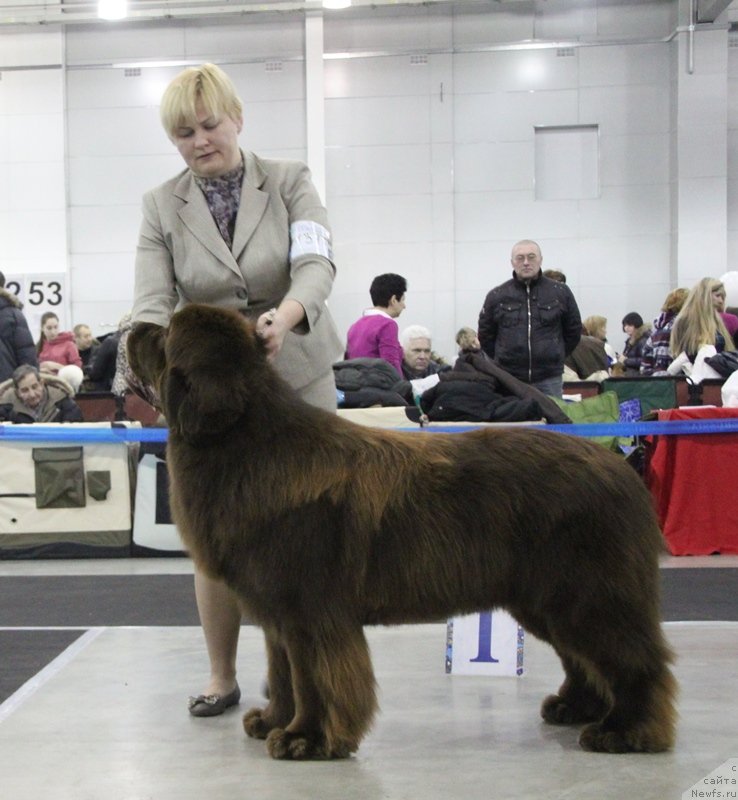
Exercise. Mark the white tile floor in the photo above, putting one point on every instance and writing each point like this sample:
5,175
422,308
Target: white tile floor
107,721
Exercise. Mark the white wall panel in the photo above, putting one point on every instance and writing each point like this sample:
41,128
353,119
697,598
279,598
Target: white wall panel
376,77
34,234
100,132
637,18
494,166
122,41
22,182
274,125
636,159
511,116
383,29
260,37
510,216
514,71
382,219
626,210
472,27
105,88
118,180
618,65
22,47
95,275
31,91
378,170
98,229
32,137
377,120
626,109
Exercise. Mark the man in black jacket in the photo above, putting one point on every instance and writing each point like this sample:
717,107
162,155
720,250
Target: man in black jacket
16,342
530,323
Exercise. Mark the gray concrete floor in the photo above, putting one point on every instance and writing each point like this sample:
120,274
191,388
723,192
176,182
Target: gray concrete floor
107,720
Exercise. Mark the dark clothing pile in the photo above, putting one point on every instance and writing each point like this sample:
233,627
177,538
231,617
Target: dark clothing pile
367,382
479,390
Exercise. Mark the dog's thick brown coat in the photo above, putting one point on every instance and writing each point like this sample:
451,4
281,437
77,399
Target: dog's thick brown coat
322,526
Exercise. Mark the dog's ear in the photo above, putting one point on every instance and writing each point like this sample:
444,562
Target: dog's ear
200,405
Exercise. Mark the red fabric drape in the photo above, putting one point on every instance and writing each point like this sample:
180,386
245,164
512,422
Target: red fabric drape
694,483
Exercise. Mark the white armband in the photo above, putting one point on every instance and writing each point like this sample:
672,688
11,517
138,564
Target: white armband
309,238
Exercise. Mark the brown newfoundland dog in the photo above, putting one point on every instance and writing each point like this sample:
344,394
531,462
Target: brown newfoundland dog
322,526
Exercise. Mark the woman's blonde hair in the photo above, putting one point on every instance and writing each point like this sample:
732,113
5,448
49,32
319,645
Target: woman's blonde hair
698,323
596,326
207,84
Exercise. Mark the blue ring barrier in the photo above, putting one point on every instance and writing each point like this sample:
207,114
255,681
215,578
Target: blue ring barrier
69,433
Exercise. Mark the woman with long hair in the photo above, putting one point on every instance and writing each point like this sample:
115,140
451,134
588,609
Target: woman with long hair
699,323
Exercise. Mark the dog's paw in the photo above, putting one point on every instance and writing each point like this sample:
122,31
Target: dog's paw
637,739
282,744
598,740
255,724
557,710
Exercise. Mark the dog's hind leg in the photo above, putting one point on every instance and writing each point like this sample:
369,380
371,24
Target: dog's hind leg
578,698
631,657
257,722
335,698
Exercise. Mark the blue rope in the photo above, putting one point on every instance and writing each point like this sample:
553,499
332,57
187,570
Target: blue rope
72,433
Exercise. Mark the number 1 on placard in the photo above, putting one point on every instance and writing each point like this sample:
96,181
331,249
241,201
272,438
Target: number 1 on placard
484,642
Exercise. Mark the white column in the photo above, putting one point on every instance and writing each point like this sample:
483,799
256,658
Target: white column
700,156
315,98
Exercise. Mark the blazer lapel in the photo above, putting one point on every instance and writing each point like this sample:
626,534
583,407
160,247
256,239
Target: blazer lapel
253,204
196,215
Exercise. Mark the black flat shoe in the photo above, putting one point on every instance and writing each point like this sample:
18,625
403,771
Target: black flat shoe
211,705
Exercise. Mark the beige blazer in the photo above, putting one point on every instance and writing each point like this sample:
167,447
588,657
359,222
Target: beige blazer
281,249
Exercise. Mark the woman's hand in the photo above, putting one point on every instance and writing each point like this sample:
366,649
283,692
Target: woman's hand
273,325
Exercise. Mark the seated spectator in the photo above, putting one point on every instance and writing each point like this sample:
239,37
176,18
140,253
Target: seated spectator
697,325
730,320
588,361
417,361
86,344
597,326
374,334
33,396
638,334
16,341
467,341
656,356
57,352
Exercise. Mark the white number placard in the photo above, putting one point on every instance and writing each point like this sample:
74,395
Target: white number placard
490,643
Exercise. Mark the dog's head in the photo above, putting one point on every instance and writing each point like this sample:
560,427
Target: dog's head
213,359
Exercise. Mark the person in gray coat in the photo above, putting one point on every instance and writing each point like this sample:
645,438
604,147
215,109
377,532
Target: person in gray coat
243,232
16,342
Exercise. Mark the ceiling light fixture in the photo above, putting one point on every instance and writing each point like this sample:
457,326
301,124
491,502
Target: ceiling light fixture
336,4
112,9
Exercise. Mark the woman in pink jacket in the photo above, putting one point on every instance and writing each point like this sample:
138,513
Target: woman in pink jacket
57,352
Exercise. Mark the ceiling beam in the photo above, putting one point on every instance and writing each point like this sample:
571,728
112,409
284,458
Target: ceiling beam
710,10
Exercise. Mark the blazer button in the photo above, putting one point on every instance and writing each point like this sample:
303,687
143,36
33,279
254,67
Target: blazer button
242,294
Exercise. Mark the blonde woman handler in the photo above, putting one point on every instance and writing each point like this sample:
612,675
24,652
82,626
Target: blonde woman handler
242,232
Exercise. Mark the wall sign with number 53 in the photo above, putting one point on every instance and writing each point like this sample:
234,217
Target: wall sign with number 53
39,294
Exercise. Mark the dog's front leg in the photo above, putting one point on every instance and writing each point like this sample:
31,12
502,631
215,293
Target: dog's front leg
257,722
334,688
